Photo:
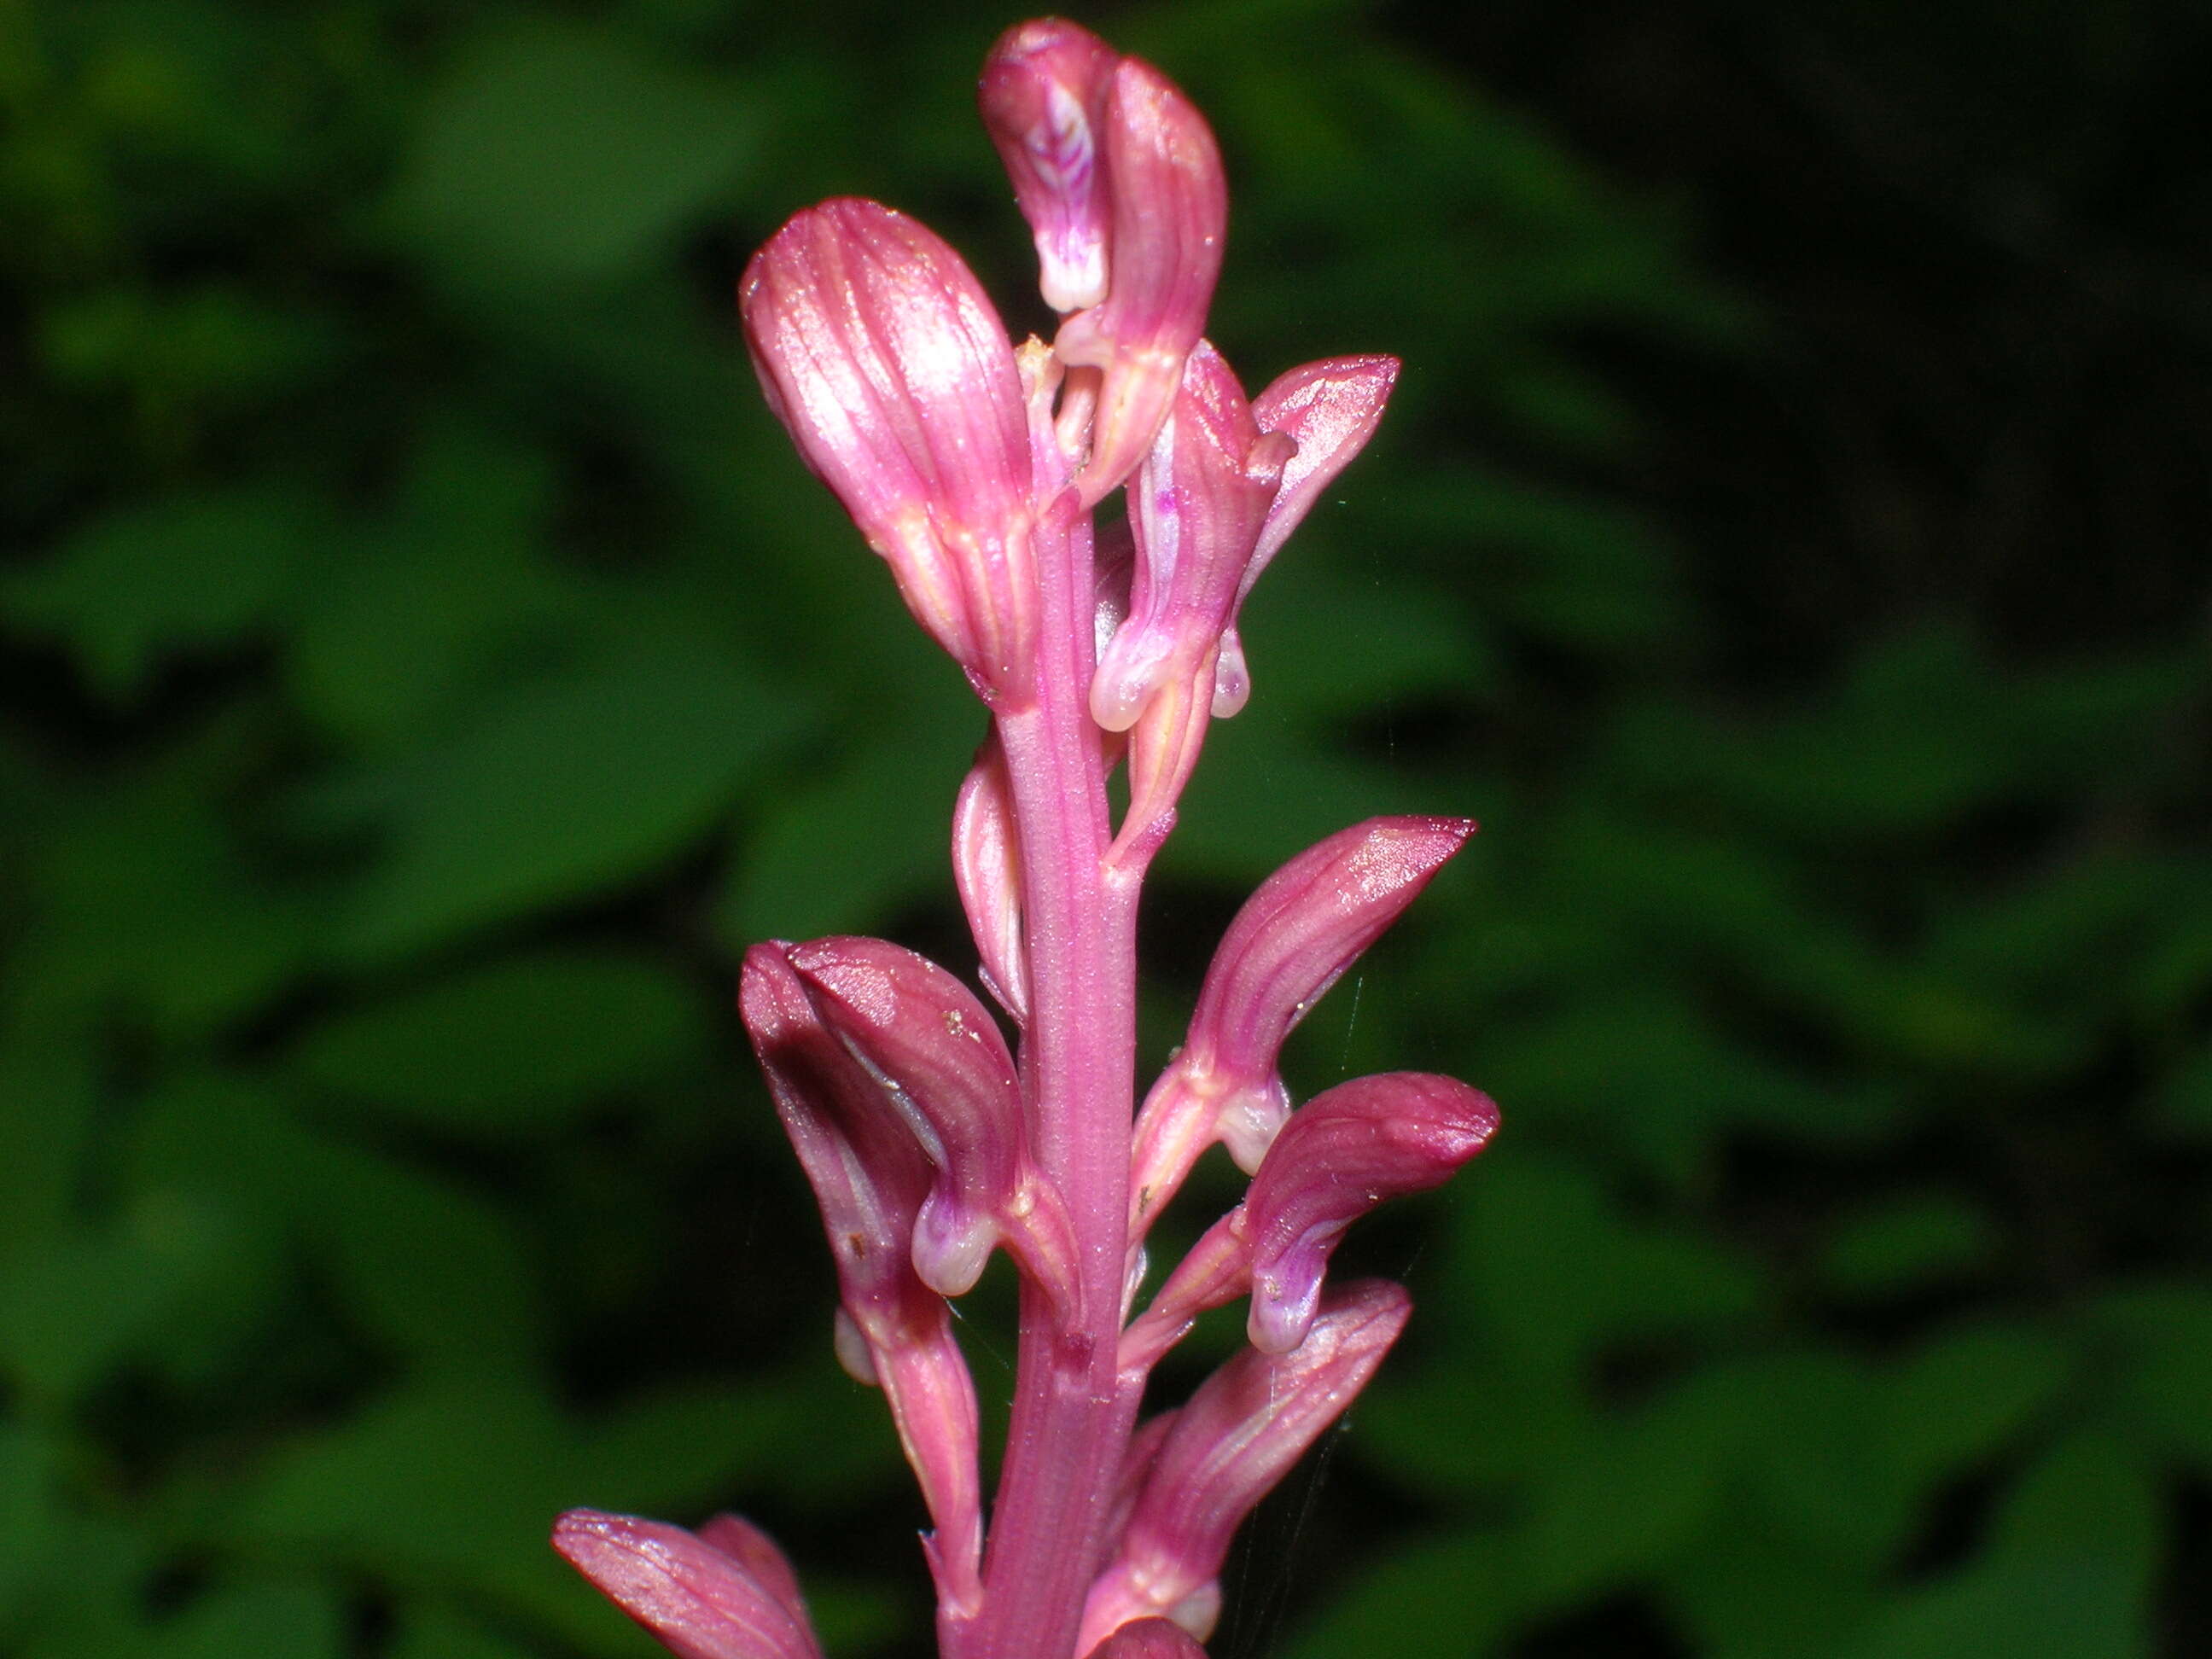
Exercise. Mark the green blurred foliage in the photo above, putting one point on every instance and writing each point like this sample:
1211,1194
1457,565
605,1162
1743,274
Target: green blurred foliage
428,668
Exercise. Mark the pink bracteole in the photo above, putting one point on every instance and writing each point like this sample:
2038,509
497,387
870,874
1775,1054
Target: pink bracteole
971,466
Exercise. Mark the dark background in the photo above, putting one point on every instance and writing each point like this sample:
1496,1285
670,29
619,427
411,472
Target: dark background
427,667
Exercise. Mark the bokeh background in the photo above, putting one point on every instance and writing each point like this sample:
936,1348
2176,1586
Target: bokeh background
426,667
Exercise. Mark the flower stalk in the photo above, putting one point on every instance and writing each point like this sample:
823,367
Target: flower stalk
973,467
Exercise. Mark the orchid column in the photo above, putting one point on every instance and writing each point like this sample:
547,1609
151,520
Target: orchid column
973,467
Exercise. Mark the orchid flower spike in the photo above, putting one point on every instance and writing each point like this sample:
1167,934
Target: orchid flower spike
973,466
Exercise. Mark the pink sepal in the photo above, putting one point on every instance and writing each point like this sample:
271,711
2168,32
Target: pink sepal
1301,928
1043,96
937,1055
987,868
1171,213
870,1179
1342,1153
1329,410
879,352
1240,1434
725,1593
1150,1639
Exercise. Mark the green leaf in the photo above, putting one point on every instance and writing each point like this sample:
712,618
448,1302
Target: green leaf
428,1488
2092,1497
1439,1598
48,1078
2044,1609
552,155
1906,1245
428,1269
91,1299
1324,643
295,1621
132,590
561,790
2184,1099
1745,1593
1626,1500
436,1632
27,1525
524,1044
408,614
2162,1335
154,905
1818,1470
1966,1394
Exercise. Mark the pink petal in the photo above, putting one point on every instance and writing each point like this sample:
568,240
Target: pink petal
1342,1153
1043,96
758,1553
1297,933
1195,507
701,1600
879,352
1170,211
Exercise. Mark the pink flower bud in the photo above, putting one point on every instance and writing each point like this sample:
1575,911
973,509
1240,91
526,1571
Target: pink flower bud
879,350
869,1173
1301,928
1150,1639
1240,1434
987,870
725,1594
871,1178
1171,213
1196,507
937,1055
1343,1152
1043,96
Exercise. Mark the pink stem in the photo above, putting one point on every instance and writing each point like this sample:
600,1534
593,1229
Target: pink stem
1071,1414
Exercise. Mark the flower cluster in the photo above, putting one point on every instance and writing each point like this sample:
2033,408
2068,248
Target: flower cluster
973,467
